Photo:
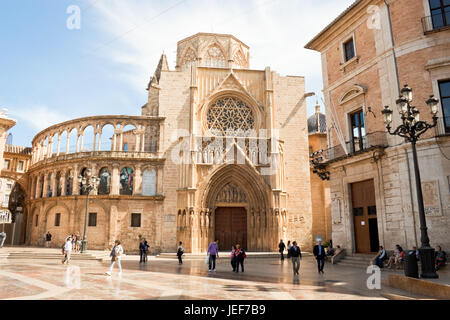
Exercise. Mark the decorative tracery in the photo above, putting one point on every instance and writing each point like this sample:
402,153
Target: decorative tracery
215,57
239,60
230,117
189,58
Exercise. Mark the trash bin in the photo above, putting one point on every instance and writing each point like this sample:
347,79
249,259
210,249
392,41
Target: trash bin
411,266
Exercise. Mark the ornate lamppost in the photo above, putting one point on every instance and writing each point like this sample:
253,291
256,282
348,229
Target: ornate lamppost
411,129
88,183
319,168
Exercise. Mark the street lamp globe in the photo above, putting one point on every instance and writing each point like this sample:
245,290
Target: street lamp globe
433,104
387,113
407,93
416,115
402,105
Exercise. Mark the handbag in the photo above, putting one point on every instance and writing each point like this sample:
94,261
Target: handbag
207,260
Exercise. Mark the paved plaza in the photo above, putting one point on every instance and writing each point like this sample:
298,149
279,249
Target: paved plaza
264,279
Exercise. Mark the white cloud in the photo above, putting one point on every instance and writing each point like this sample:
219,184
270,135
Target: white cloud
275,30
38,117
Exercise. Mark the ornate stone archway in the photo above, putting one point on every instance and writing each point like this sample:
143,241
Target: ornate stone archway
238,186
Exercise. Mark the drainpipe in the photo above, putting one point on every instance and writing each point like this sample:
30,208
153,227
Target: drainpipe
398,87
393,44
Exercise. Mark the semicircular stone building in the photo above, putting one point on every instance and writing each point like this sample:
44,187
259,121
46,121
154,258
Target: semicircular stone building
219,152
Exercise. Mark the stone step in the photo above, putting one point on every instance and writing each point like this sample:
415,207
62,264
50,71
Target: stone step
226,255
353,264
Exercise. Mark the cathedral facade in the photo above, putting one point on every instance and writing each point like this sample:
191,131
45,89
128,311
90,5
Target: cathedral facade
219,152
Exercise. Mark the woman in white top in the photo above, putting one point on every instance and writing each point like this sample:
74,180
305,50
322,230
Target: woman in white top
116,254
67,250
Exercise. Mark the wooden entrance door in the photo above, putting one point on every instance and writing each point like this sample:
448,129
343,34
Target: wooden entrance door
365,216
231,227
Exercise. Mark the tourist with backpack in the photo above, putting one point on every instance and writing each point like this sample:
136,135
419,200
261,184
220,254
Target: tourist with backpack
240,256
180,252
116,254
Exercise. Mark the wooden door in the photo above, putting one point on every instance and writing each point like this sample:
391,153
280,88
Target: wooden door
231,227
365,216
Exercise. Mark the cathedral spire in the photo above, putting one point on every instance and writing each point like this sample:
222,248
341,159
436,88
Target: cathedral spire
162,66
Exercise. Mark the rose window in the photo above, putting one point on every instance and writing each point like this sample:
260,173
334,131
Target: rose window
230,117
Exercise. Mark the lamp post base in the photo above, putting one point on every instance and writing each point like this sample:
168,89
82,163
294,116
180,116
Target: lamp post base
427,262
83,245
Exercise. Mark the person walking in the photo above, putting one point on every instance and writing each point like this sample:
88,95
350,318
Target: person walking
281,247
2,238
240,256
48,239
116,254
288,248
67,250
296,254
180,252
213,252
233,258
143,248
319,253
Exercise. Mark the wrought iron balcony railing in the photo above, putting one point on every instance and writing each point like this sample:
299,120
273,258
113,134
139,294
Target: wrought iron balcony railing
370,141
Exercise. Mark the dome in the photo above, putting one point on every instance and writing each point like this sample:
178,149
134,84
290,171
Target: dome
317,123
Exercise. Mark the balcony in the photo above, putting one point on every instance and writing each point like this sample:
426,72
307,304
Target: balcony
369,142
435,23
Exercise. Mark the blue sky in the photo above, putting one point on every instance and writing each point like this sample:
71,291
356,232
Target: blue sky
49,74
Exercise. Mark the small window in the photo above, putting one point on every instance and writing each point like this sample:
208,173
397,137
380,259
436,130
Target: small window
136,220
57,219
6,200
372,210
7,164
36,222
8,186
349,50
125,147
20,166
92,219
444,91
440,13
358,212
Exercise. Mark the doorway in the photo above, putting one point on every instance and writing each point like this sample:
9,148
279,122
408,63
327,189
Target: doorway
365,217
231,227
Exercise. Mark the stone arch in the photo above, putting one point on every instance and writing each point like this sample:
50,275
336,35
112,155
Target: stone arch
354,91
258,202
254,187
214,55
189,56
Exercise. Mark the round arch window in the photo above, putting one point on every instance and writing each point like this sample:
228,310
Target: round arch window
230,116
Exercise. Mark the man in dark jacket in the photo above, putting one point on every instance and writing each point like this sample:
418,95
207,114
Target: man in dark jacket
295,253
319,253
143,248
281,248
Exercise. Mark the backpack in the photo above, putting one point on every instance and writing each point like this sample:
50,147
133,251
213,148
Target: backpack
244,255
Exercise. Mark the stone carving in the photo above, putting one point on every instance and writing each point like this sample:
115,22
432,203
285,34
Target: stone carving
431,198
231,194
